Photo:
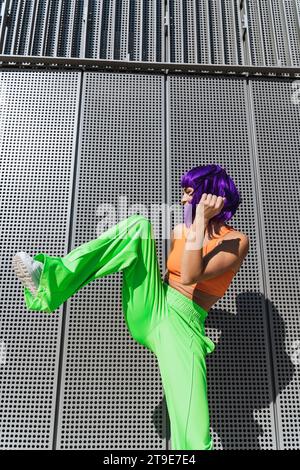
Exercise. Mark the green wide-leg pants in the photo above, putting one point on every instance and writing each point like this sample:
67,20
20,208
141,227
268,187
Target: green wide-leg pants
158,316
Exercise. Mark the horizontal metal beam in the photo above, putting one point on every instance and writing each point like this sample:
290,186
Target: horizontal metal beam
7,60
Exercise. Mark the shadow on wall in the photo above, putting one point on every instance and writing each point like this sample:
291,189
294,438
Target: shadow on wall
238,374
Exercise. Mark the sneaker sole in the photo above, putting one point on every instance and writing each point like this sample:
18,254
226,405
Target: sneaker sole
23,274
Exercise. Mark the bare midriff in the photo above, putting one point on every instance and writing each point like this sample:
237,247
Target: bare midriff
201,298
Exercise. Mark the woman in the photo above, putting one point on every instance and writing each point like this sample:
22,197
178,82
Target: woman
166,317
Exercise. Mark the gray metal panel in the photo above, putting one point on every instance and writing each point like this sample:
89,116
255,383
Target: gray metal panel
277,122
254,135
198,31
216,129
293,29
111,392
38,115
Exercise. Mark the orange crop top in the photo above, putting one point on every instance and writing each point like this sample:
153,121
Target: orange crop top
215,286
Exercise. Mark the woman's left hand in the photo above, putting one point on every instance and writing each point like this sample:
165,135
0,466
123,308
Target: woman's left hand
209,206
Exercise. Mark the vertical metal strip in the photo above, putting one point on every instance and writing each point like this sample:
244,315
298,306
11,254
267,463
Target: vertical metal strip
194,32
255,54
72,30
175,43
293,31
70,226
234,33
198,39
261,32
240,43
98,54
285,31
25,32
85,16
141,25
112,32
221,45
14,44
58,29
38,7
274,36
166,41
164,29
297,19
155,42
210,30
297,9
127,42
124,28
209,45
254,161
160,5
32,27
3,25
239,31
45,29
248,52
167,190
182,30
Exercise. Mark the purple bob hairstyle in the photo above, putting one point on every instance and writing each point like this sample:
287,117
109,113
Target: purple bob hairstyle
210,179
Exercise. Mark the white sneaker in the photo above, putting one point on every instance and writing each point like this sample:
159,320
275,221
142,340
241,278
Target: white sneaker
28,270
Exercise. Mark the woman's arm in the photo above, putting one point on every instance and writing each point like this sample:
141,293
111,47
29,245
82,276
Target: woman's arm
195,267
192,257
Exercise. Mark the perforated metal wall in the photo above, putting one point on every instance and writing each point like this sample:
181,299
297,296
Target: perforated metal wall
209,123
120,29
276,158
195,31
38,122
111,394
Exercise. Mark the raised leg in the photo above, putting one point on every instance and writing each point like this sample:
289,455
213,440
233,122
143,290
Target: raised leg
129,247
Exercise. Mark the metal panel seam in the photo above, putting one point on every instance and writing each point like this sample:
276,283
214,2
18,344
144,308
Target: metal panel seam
167,170
258,204
69,238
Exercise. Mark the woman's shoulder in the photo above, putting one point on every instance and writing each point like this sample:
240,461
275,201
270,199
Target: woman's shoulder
243,246
233,233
